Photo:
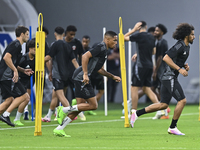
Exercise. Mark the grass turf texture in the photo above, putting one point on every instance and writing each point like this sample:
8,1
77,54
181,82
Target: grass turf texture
106,132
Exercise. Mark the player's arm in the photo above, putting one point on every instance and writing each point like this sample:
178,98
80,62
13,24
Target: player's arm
136,28
85,60
75,63
170,62
8,60
109,75
25,71
47,58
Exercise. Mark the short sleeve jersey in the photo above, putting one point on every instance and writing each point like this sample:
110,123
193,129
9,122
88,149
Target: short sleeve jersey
26,63
179,54
62,55
99,55
161,48
14,48
145,43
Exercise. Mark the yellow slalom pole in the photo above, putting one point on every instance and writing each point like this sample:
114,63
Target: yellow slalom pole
39,74
199,77
123,71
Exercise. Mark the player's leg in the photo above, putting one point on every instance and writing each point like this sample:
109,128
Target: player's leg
20,112
5,104
166,96
59,130
178,94
53,104
26,111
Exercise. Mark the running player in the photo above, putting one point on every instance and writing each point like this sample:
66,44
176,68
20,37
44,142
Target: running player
12,90
92,61
62,55
175,59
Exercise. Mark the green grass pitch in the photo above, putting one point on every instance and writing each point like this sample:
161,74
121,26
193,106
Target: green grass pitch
107,132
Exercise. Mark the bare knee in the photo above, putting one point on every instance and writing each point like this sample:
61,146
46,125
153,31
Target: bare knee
26,97
94,106
183,101
163,106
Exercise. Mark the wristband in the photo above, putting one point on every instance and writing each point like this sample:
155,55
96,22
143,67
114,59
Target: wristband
179,69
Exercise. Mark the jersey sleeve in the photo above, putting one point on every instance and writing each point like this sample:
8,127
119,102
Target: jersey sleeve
14,49
134,37
53,51
175,50
95,51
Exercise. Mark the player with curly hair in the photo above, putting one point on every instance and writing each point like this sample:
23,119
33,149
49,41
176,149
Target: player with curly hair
175,59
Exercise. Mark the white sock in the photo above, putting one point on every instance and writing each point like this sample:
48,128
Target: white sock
26,108
70,108
18,115
65,122
81,114
6,114
166,113
50,112
133,110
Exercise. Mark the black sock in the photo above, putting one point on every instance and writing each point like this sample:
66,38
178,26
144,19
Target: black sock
141,112
173,124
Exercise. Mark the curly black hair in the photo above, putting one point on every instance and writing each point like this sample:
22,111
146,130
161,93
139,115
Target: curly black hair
182,30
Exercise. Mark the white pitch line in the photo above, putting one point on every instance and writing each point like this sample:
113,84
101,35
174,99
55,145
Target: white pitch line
189,114
124,148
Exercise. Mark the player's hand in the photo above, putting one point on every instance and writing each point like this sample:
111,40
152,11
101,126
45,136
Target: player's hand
50,77
187,67
137,26
15,77
134,57
183,72
85,79
28,72
117,79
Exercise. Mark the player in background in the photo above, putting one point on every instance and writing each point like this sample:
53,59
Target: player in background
143,69
175,59
161,48
27,62
61,55
12,89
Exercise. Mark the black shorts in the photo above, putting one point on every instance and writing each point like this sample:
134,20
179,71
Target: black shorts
83,91
156,83
26,82
171,88
141,76
11,89
59,84
98,83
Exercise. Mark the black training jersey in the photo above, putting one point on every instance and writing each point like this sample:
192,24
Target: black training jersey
145,43
78,50
26,63
14,48
161,48
179,54
62,55
99,55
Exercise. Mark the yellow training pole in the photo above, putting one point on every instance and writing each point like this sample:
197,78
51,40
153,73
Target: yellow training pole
123,71
199,76
39,74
